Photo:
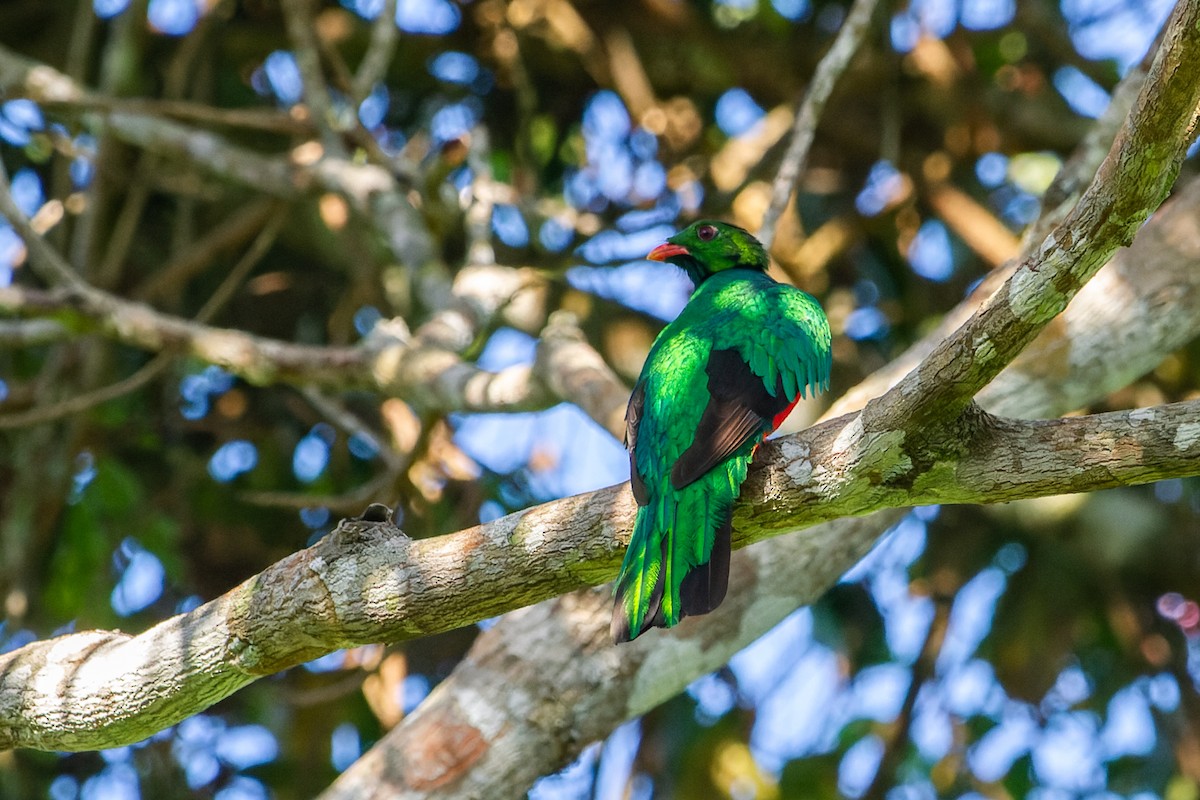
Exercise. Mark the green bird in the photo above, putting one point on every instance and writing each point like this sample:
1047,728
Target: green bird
717,381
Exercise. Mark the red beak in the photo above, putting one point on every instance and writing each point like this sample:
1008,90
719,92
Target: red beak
667,250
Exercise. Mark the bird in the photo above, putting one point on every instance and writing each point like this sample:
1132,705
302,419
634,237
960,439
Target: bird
717,381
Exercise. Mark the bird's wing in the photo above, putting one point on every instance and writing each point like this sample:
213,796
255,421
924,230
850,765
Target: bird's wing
739,409
752,383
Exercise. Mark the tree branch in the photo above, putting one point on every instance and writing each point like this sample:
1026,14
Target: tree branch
298,17
375,62
370,189
156,366
498,723
423,368
1133,180
830,68
367,582
545,681
574,370
29,333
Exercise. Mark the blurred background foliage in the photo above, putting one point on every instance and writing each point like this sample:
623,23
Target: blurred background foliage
1044,649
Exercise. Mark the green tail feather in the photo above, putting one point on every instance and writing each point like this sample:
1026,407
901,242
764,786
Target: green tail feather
677,563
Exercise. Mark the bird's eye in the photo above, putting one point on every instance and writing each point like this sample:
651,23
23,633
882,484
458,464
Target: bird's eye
706,233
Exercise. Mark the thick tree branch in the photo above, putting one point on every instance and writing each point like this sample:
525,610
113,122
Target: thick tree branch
367,582
1126,295
1133,180
498,724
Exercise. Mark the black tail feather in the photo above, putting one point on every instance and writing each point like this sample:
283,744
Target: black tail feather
619,627
703,589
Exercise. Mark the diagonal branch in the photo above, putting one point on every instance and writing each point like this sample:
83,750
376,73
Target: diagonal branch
298,16
1132,181
375,62
830,68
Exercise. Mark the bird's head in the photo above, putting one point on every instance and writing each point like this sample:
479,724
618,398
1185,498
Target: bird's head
707,247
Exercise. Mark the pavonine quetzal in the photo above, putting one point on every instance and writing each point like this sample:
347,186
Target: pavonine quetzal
717,381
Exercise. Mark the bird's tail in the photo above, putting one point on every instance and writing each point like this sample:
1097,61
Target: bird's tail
677,563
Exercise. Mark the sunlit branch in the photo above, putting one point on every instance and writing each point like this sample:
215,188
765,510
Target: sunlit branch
424,368
573,369
156,366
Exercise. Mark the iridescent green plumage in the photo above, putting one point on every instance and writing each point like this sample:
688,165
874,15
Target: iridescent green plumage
717,381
